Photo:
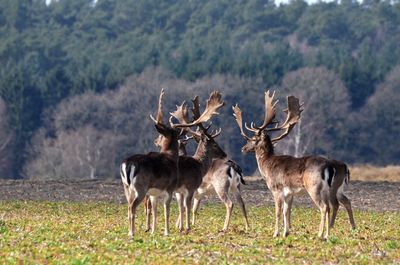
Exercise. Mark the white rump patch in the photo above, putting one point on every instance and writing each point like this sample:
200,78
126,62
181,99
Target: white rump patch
326,177
123,174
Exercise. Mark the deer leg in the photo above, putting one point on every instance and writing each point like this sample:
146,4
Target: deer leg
187,205
287,208
196,203
347,204
179,221
167,208
278,210
133,204
334,203
242,207
153,200
223,195
327,221
290,202
148,212
324,208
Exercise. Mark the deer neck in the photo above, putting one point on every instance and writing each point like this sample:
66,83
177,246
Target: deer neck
263,153
203,156
170,147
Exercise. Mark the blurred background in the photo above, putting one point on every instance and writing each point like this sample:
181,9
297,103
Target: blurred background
79,78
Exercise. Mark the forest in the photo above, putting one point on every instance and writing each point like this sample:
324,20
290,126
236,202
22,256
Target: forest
78,79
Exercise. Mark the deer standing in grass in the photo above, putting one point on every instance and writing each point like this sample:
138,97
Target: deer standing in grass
341,179
223,174
192,168
154,174
287,175
225,177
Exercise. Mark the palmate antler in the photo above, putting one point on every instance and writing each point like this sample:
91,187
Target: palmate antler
213,103
293,116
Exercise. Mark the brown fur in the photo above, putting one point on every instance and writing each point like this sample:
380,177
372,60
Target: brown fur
151,171
287,175
218,178
341,179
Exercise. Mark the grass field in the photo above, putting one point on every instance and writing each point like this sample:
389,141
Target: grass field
96,233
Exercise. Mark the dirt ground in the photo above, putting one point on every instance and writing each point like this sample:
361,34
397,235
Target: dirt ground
376,196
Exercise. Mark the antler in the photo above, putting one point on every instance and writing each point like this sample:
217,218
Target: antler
160,115
293,117
213,104
196,115
237,113
270,111
181,113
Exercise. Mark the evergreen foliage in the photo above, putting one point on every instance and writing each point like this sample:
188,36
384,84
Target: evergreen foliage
69,47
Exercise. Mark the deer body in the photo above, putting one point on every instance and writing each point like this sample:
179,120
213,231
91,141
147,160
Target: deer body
286,175
152,174
224,177
340,181
192,168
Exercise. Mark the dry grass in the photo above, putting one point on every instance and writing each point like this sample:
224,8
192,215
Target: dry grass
373,173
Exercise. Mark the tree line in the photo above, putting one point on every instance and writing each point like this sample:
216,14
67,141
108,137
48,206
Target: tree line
68,65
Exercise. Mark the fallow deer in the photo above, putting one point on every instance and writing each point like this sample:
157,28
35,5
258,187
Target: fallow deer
225,177
287,175
152,174
181,151
193,168
155,174
341,179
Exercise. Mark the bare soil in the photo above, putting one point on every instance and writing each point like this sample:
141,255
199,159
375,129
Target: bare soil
374,196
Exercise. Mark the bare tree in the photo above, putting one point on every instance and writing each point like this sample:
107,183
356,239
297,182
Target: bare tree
113,121
322,129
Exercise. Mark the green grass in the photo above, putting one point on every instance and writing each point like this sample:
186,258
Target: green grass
96,233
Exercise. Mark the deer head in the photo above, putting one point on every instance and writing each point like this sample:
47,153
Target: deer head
261,136
181,114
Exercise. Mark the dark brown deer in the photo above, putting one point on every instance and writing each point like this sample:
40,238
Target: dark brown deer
193,168
155,174
286,175
181,151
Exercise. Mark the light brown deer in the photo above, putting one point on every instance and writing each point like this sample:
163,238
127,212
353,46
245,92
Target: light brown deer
341,179
286,175
225,177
